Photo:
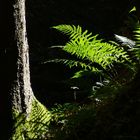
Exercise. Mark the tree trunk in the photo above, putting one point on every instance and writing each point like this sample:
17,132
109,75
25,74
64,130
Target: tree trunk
22,103
22,94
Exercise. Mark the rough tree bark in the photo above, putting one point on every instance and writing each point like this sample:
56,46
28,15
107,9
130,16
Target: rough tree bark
21,100
22,94
17,64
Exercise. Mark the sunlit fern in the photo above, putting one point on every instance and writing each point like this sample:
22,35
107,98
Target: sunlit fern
89,50
137,38
35,127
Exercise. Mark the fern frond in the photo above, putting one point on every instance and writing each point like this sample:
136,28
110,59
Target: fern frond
137,38
86,46
38,121
85,73
73,31
137,35
74,63
35,127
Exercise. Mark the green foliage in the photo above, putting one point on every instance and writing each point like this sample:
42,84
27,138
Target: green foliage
42,124
109,119
137,38
85,46
35,127
60,115
59,112
19,126
90,54
95,59
78,125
